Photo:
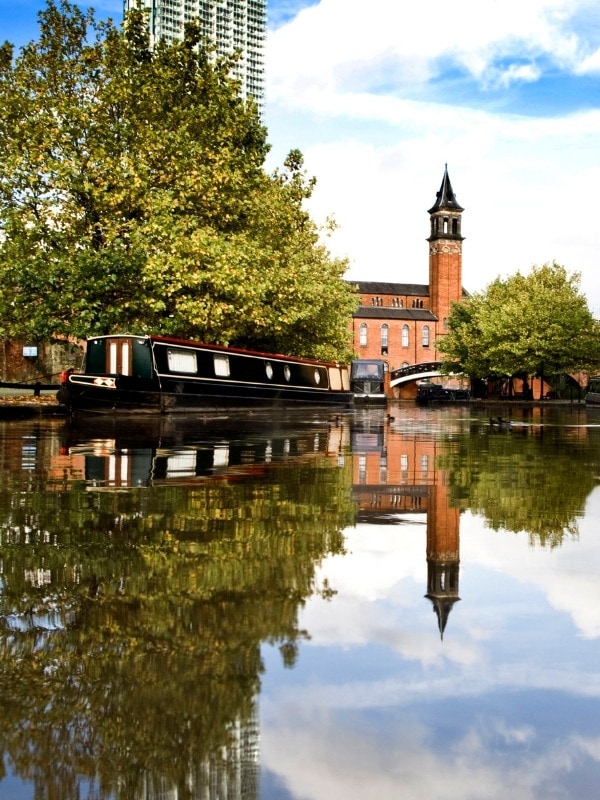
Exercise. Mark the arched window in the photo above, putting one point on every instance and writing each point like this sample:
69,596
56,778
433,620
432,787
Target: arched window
384,338
362,340
425,335
405,336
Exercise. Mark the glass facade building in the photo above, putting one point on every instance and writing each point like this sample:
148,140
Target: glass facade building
231,25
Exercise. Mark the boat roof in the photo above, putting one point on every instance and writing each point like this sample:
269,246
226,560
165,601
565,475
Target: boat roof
219,347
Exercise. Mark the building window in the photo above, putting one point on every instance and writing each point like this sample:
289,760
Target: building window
405,336
362,469
362,340
384,339
404,468
425,335
383,468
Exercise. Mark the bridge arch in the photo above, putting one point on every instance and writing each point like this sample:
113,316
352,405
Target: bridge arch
415,372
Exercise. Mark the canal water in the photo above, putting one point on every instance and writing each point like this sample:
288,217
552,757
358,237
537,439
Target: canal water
304,607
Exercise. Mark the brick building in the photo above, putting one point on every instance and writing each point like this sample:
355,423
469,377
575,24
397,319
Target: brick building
401,322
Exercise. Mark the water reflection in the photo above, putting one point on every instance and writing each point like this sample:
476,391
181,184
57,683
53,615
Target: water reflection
159,581
140,576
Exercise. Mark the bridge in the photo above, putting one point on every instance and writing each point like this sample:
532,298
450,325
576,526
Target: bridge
415,372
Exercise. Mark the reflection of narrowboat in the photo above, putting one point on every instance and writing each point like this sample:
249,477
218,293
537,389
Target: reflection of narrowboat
436,393
367,381
157,373
117,456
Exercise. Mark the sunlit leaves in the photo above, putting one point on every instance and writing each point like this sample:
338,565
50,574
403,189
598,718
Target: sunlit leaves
133,197
533,324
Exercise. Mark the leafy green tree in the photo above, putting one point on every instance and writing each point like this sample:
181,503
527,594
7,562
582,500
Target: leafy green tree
526,324
133,197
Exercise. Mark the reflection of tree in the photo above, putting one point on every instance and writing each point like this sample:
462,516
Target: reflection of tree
131,622
527,479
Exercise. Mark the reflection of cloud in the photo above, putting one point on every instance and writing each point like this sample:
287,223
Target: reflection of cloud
563,574
348,759
381,584
505,706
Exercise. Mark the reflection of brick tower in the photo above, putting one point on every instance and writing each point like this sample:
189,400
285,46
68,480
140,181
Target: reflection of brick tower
445,254
443,554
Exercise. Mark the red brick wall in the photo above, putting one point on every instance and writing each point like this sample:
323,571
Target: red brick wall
398,354
445,277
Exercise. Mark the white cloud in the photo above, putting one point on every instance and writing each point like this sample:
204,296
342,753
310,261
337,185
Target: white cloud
352,87
352,761
333,42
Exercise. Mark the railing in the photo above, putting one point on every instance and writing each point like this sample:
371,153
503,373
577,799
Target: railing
415,369
36,387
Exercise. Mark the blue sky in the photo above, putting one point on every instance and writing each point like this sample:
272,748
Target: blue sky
380,96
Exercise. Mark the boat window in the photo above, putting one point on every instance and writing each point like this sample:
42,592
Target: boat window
182,464
269,369
112,357
221,366
345,379
182,361
335,379
221,455
119,356
125,357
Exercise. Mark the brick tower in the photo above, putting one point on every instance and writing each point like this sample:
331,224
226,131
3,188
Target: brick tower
445,253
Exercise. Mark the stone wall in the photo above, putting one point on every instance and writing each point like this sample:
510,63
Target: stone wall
24,362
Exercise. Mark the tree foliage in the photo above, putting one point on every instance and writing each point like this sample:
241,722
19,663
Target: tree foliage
133,197
531,324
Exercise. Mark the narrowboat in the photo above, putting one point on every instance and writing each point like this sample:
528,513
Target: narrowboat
161,374
592,396
367,381
435,393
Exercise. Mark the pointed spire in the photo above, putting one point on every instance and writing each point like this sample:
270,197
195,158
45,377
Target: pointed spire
445,198
442,606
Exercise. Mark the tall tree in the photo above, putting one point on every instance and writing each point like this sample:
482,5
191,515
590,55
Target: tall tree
531,324
133,196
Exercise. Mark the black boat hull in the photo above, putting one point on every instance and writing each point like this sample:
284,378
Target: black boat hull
125,374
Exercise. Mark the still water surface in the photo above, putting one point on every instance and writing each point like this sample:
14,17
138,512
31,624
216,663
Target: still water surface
301,608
